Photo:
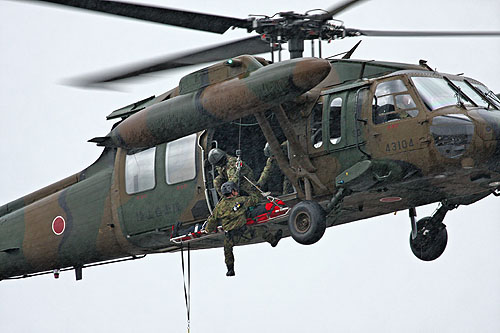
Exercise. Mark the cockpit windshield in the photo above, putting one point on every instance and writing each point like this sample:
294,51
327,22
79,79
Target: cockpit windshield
440,92
488,93
470,92
435,92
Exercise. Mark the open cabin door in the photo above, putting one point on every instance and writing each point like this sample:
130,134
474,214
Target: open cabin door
245,136
160,187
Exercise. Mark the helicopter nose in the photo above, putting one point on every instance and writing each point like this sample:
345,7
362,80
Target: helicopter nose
452,134
488,129
488,123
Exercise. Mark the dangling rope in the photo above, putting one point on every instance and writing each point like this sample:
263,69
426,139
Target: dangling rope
187,286
238,155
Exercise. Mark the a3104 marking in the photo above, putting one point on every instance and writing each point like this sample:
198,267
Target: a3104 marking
399,145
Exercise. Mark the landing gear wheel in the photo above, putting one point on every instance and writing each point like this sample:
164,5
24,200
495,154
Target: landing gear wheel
431,240
307,222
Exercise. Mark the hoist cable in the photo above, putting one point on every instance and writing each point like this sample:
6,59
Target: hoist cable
187,287
238,155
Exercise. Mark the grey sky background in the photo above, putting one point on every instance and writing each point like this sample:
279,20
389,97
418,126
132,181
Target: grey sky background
359,277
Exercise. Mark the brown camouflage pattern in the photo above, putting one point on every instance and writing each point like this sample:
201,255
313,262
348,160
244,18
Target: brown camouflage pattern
103,222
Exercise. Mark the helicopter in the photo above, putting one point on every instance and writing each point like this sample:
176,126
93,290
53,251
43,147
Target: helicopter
341,174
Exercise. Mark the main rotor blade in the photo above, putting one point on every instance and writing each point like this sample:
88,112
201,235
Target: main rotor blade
175,17
252,45
334,10
382,33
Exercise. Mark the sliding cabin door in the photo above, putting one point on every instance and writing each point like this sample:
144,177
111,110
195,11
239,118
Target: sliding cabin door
160,187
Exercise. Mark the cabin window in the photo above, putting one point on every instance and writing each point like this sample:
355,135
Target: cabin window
140,171
335,113
393,102
316,125
180,163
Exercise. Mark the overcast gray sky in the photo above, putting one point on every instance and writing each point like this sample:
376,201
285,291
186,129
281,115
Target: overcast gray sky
359,277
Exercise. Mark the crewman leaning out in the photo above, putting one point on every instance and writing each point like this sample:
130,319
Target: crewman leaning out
231,213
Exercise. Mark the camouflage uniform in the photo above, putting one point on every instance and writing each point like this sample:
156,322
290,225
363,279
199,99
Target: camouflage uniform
231,214
229,172
272,170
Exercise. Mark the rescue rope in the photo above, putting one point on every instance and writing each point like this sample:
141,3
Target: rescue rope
238,155
187,286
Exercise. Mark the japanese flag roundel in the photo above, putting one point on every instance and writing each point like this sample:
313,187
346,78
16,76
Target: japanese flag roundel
58,225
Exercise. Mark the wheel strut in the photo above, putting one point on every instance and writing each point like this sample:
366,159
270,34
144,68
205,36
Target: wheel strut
413,213
438,216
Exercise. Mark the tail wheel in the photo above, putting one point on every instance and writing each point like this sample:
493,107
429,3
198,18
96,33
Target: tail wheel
430,241
307,222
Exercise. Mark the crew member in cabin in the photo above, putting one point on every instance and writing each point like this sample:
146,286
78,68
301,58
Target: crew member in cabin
227,170
271,177
231,213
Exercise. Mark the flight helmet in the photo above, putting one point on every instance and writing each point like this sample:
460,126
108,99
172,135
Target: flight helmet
227,188
217,156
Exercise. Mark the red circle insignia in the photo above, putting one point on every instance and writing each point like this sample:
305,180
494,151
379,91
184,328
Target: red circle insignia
390,199
58,225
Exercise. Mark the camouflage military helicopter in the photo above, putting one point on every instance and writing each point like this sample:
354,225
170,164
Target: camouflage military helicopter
364,138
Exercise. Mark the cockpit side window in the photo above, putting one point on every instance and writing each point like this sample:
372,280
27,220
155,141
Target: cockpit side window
393,102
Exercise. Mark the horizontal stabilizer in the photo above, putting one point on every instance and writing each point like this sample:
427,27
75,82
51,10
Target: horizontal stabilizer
102,141
10,249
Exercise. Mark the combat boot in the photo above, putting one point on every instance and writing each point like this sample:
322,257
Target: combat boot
277,237
230,270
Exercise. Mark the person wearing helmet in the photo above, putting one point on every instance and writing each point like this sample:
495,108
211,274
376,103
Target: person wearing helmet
227,170
217,157
272,172
231,213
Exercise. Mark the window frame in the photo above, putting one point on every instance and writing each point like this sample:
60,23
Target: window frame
397,110
327,110
190,141
153,173
314,111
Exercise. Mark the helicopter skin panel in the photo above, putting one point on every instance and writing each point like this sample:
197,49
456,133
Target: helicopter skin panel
68,228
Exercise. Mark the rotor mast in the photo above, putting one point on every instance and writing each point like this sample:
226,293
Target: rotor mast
296,47
283,27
